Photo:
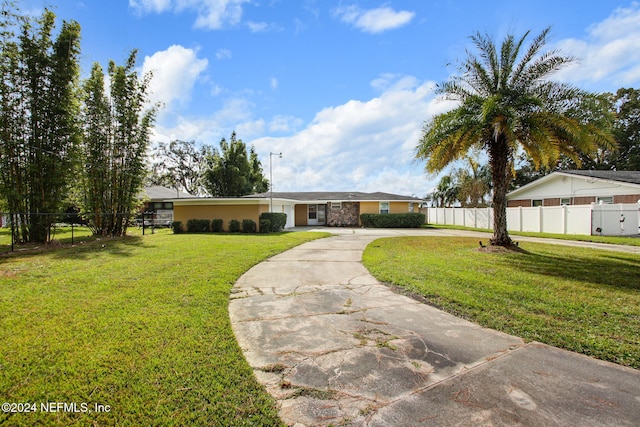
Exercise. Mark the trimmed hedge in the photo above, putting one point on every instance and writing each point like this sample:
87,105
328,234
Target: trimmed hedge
265,225
234,226
278,221
248,226
177,227
198,225
217,225
398,220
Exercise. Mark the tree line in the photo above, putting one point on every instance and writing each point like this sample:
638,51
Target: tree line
228,170
470,185
81,145
62,138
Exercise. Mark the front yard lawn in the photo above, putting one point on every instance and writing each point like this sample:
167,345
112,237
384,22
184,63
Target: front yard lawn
139,325
583,300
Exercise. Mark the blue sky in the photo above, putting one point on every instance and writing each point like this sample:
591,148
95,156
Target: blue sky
341,88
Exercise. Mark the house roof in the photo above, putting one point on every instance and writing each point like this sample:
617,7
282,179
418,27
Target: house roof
625,177
631,177
336,196
157,192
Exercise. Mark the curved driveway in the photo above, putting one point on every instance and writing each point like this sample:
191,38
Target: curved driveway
336,347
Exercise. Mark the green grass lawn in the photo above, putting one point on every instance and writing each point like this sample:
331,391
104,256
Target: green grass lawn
613,240
139,324
582,300
66,235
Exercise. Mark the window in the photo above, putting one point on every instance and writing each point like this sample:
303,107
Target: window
607,200
336,205
384,207
535,203
167,205
313,212
411,207
565,201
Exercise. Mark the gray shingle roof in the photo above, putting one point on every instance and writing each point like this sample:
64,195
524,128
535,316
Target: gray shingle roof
336,196
157,192
632,177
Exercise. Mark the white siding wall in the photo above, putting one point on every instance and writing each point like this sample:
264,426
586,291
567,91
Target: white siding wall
579,219
574,186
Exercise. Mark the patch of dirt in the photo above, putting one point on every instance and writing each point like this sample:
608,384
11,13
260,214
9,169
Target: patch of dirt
513,248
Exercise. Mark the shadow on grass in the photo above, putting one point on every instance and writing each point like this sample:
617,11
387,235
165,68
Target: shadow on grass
608,269
82,249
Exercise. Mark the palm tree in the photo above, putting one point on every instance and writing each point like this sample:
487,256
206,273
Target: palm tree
474,184
506,102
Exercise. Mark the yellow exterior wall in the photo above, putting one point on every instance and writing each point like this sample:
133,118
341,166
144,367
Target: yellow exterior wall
301,215
369,208
398,207
184,213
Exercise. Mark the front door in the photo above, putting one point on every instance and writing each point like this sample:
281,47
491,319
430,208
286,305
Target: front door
315,215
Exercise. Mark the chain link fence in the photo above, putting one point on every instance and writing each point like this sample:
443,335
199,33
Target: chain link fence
72,225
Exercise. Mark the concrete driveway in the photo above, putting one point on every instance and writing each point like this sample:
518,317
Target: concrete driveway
336,347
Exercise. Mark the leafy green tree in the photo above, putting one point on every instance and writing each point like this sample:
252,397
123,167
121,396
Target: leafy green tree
115,141
506,102
233,173
39,113
180,165
474,184
445,194
627,129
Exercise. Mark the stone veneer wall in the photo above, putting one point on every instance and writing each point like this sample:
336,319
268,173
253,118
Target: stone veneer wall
347,216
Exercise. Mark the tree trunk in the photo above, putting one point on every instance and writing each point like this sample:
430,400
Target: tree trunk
499,161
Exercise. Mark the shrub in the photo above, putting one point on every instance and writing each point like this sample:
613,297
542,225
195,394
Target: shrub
265,225
400,220
177,227
216,225
248,226
278,220
234,226
198,225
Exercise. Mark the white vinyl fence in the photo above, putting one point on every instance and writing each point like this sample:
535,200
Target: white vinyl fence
593,219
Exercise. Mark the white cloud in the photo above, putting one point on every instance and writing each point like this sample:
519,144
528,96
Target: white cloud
257,27
273,83
360,145
357,146
610,53
211,14
223,54
175,72
157,6
374,20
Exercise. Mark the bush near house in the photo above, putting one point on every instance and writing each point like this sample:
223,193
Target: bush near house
278,221
248,226
265,225
176,227
234,226
399,220
217,225
198,225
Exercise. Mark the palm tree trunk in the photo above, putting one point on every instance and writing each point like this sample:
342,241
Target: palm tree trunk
499,162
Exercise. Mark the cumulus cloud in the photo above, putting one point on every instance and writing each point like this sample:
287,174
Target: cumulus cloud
175,72
223,54
359,145
610,53
373,20
211,14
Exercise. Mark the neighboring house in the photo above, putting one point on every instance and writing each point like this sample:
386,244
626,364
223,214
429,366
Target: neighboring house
338,209
157,202
580,187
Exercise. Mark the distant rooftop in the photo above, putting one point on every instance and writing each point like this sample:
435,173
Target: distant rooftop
343,196
157,192
631,177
